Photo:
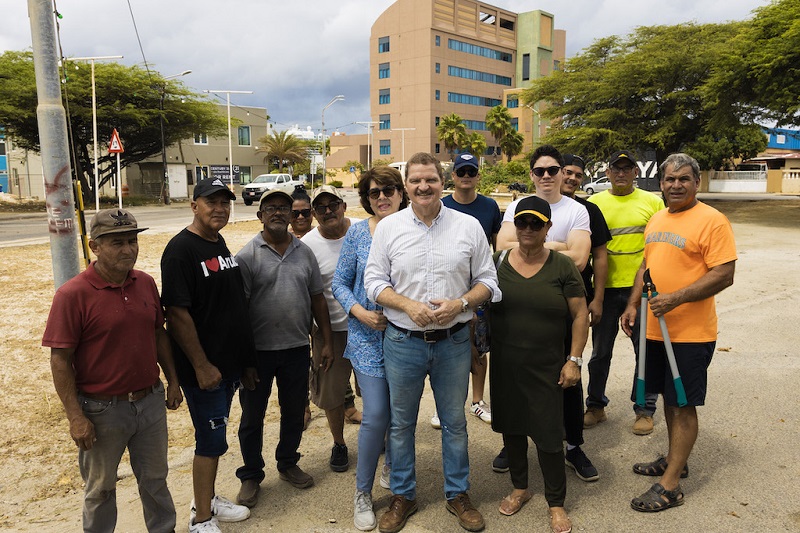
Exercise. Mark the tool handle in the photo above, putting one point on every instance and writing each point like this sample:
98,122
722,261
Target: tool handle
640,396
673,365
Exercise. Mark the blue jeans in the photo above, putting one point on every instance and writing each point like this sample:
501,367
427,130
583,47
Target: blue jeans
210,410
372,433
141,427
604,335
408,361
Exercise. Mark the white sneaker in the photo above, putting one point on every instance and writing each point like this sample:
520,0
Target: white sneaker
223,510
209,526
385,473
363,515
482,411
435,422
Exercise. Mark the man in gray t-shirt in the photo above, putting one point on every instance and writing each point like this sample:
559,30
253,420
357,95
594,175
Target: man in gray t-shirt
283,287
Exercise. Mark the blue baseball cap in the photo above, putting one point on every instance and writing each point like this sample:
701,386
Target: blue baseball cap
465,160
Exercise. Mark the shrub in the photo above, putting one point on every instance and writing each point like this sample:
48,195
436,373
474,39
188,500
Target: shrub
335,183
503,174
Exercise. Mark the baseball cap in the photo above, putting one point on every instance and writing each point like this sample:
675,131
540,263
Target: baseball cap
110,221
622,155
533,205
574,160
465,160
323,189
209,186
275,192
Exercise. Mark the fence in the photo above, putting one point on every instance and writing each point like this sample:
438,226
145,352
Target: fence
737,181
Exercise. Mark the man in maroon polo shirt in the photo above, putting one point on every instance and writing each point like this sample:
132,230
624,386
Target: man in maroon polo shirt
107,339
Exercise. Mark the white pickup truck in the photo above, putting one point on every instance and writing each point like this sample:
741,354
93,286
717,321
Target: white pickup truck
265,182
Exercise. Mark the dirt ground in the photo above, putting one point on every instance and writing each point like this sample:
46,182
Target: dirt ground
744,470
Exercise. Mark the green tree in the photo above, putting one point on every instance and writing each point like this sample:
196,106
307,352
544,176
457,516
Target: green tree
511,144
128,99
644,91
451,132
498,122
503,174
283,148
474,143
357,164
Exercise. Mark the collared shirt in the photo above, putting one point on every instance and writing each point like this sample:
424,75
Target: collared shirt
440,262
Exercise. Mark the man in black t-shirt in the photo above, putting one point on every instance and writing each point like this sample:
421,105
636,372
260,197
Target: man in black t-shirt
212,343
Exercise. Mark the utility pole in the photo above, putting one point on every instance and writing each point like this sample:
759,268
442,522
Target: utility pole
403,139
52,120
368,125
165,182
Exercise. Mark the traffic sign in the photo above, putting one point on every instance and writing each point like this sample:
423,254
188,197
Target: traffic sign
352,170
115,146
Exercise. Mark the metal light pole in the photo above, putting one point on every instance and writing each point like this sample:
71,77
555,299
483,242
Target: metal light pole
94,124
324,151
230,146
165,182
403,139
368,124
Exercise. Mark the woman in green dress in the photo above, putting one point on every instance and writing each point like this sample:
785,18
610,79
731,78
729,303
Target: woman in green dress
542,295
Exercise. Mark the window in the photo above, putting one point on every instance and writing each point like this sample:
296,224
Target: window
200,138
515,124
245,175
201,173
474,49
437,40
458,98
475,124
383,44
437,95
526,67
438,67
780,139
383,70
385,147
512,102
507,24
436,148
244,135
436,121
384,97
385,122
556,64
468,74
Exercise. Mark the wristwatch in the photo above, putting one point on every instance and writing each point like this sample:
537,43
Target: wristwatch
464,305
577,360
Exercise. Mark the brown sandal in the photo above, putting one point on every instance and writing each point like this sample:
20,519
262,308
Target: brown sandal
512,504
657,468
560,524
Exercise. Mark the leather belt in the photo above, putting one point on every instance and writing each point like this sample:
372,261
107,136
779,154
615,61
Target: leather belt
134,396
432,335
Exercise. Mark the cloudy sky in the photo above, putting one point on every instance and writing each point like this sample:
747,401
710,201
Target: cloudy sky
296,55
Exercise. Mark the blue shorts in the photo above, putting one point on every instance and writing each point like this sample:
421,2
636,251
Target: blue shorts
210,410
692,359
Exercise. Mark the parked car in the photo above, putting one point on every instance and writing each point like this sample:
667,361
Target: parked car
598,185
265,182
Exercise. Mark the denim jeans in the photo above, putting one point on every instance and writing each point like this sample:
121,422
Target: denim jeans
408,361
141,427
289,369
210,409
604,335
372,433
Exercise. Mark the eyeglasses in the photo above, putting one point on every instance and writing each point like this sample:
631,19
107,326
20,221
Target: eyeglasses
539,171
536,224
472,171
333,206
297,212
570,174
272,209
388,191
627,169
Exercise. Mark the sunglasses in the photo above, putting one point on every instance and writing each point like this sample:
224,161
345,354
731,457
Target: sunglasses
539,171
333,206
388,191
272,209
297,212
532,222
461,172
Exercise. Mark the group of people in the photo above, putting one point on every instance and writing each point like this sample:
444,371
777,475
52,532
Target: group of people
392,299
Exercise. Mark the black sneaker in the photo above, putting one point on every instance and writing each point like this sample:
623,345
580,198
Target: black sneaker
583,467
500,463
339,460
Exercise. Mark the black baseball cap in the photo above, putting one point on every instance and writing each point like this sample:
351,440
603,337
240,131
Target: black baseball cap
533,205
574,160
209,186
622,155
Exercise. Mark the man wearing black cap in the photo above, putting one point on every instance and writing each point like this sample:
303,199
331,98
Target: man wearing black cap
627,210
207,320
106,337
283,287
465,198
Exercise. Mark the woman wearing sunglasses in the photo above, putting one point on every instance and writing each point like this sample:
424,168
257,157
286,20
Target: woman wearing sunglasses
382,193
542,290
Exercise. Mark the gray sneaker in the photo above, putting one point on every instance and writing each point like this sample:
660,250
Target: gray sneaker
386,474
363,515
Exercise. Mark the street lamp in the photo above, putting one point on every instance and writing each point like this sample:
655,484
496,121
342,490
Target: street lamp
165,181
94,124
230,146
324,151
403,139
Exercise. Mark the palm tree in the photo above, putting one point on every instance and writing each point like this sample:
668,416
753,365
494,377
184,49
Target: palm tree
498,122
451,132
475,143
284,148
511,143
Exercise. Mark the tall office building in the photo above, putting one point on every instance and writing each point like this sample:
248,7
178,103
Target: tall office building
430,58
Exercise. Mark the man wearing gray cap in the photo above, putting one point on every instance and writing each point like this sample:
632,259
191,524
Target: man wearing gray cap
106,338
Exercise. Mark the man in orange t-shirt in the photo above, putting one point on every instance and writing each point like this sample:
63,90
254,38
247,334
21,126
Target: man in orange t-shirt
691,254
